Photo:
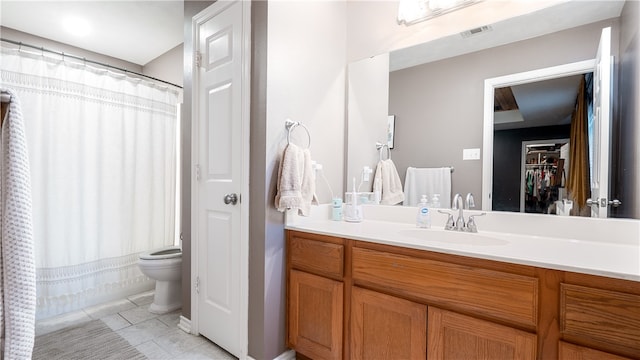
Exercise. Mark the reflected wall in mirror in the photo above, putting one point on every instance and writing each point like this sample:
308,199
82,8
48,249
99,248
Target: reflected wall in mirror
439,105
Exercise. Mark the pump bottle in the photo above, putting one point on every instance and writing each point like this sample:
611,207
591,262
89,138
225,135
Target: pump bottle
423,218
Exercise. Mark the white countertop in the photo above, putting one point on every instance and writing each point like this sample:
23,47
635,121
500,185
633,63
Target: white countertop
617,258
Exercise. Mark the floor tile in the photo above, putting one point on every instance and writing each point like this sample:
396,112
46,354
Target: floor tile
143,298
153,351
177,341
171,319
114,307
138,314
156,336
48,325
115,322
144,331
206,350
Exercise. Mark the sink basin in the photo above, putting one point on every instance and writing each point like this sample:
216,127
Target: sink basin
453,237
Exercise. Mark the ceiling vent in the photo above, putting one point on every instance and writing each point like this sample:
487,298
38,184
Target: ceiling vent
476,31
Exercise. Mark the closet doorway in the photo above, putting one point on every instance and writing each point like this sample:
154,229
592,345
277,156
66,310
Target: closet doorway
544,170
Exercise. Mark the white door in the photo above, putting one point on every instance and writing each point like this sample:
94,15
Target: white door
601,125
220,186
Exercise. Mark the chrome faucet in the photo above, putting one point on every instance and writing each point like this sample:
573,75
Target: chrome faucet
457,205
459,224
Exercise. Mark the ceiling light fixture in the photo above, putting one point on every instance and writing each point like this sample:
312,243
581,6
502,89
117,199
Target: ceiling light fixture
414,11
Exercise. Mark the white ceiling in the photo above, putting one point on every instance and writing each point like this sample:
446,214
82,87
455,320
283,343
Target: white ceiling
135,31
555,18
545,103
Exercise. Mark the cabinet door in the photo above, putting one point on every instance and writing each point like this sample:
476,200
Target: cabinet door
574,352
315,315
386,327
455,336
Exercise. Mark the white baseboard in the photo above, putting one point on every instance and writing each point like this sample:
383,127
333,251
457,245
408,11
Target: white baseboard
184,324
287,355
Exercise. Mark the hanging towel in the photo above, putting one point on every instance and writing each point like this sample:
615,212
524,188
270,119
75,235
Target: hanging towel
296,185
17,261
427,181
388,180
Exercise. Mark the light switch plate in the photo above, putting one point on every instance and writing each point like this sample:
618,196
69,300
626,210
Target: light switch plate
471,154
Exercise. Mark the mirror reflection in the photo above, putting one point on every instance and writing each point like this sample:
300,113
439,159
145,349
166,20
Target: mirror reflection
438,111
533,125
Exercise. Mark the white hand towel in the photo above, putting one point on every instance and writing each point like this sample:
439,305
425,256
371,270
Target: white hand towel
388,180
295,187
427,181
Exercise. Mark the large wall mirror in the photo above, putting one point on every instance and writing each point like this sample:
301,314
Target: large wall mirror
436,93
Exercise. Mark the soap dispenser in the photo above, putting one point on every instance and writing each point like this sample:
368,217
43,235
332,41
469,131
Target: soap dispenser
423,218
435,201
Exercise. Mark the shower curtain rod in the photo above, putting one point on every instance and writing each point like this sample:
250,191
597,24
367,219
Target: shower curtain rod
20,43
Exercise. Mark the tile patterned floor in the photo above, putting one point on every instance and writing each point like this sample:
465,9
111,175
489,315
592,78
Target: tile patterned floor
156,336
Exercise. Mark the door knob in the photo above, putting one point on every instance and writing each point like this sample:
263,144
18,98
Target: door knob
615,202
602,202
231,199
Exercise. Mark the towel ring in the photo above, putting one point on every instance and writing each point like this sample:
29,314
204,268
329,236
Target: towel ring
380,146
290,125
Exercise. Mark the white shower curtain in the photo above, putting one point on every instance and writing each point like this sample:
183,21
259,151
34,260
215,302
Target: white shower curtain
102,148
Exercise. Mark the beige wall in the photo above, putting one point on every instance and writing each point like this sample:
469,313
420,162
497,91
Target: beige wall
259,190
299,75
439,106
168,66
368,99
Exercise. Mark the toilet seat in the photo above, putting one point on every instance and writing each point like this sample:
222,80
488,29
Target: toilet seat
162,254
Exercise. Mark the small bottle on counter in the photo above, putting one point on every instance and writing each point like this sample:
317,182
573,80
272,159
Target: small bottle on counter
336,209
423,218
435,201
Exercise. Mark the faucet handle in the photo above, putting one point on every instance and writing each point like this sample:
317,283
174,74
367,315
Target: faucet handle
470,201
450,222
471,224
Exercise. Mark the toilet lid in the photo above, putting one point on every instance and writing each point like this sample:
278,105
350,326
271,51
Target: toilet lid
166,253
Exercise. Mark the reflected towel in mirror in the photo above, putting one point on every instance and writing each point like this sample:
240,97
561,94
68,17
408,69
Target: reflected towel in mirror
427,181
388,181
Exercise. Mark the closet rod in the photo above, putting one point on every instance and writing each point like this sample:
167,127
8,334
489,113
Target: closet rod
63,54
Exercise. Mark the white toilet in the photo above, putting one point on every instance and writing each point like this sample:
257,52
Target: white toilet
165,267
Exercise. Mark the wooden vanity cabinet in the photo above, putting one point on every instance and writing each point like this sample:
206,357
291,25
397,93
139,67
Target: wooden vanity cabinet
315,295
569,351
601,314
315,315
349,299
454,336
386,327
